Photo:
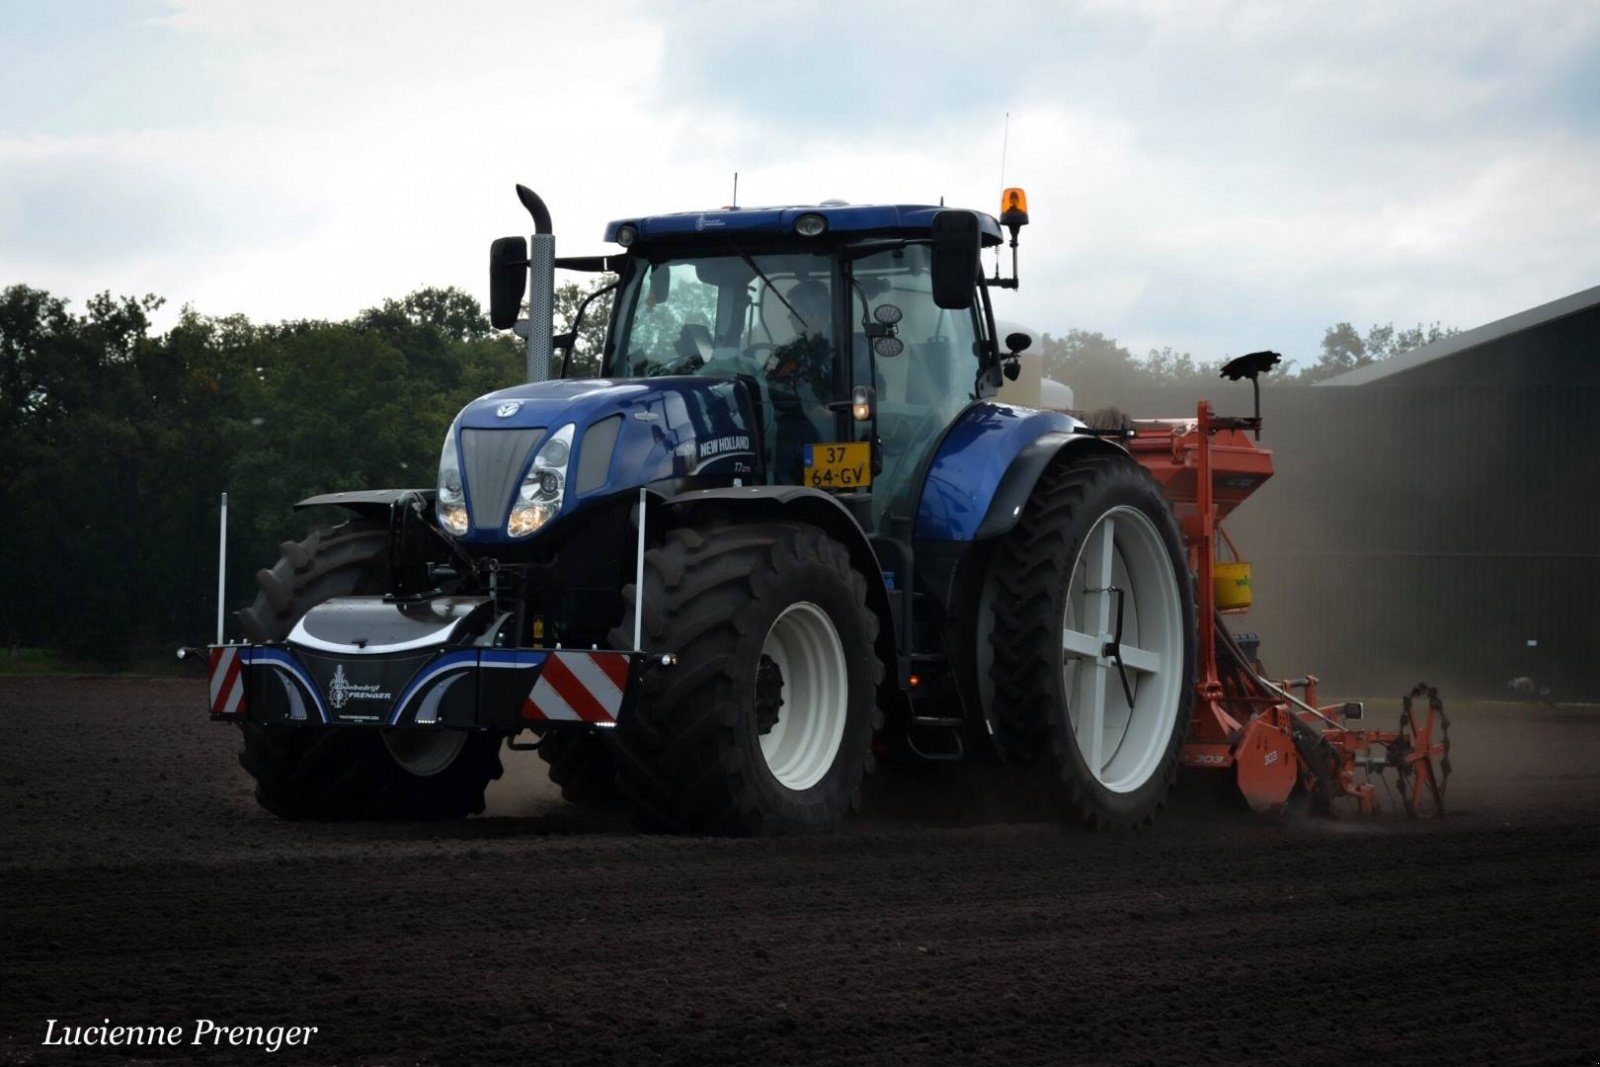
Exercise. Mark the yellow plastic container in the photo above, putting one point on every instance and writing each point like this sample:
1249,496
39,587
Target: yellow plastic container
1230,585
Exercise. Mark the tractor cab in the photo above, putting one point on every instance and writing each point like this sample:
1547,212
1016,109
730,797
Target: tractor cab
829,318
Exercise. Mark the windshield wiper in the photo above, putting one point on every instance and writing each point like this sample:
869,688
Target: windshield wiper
773,289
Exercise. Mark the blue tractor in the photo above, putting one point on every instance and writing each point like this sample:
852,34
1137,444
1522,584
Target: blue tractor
788,530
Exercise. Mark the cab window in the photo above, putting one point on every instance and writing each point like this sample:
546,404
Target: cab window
921,389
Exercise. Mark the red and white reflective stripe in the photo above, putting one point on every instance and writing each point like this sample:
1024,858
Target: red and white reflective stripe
579,687
227,681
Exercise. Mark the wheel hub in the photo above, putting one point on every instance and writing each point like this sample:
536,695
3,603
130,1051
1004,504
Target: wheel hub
769,694
1122,647
802,672
424,753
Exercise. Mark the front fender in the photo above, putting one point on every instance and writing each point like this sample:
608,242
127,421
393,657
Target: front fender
795,503
368,503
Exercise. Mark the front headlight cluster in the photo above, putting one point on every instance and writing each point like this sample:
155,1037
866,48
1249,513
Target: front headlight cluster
539,497
452,506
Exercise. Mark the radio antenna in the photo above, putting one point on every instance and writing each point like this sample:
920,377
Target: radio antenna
1005,143
735,189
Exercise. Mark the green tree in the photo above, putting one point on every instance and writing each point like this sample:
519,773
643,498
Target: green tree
39,384
1101,371
1344,349
105,427
1088,361
1166,367
120,442
591,331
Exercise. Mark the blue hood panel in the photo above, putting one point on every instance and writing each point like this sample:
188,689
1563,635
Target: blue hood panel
550,404
668,427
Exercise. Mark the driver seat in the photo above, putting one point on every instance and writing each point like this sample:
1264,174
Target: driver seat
694,339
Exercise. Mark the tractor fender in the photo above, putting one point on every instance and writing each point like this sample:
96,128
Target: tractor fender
987,465
1016,486
793,503
367,503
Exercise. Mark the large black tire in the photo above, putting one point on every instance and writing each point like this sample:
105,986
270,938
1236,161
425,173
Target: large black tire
730,741
343,772
580,763
1053,617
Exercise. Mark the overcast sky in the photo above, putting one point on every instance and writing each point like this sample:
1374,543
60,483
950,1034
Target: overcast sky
1218,177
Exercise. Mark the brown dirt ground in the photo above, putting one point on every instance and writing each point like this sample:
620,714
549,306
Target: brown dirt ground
952,924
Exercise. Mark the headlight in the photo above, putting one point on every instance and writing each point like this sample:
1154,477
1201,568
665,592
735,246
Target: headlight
543,487
452,505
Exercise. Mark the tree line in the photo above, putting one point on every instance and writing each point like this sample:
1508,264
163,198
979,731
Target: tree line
119,441
1099,369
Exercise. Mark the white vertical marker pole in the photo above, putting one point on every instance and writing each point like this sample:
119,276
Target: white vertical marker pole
222,565
638,581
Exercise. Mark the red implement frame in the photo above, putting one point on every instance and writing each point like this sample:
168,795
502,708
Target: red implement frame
1276,743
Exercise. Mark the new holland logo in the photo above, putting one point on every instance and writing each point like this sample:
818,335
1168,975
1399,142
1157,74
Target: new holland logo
341,690
716,446
508,409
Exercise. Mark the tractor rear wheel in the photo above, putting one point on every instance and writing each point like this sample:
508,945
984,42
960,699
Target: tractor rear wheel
1094,640
314,771
765,725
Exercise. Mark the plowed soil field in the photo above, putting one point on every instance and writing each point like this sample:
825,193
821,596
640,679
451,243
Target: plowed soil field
952,923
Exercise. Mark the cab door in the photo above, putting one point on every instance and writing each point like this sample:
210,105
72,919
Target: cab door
923,363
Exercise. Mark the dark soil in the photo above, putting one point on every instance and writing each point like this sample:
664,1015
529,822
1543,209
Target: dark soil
953,924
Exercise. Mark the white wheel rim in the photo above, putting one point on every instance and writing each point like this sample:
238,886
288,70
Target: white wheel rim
801,747
1122,746
424,754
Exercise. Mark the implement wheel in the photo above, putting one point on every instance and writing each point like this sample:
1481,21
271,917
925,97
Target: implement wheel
765,725
346,772
1421,755
1097,716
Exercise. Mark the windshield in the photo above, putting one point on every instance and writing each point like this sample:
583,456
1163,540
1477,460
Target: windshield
765,318
729,313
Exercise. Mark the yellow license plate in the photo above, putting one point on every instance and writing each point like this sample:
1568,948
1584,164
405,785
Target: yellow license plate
844,465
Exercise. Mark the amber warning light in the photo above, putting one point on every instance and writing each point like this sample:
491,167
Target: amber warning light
1013,210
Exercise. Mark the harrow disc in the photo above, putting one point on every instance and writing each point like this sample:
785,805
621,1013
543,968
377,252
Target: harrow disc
1421,752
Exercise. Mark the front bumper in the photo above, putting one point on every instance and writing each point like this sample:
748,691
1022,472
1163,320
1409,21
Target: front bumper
462,687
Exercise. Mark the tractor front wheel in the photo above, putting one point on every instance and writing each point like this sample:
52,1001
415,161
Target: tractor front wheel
765,724
580,764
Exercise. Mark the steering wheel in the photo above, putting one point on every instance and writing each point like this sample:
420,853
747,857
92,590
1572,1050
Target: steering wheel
761,352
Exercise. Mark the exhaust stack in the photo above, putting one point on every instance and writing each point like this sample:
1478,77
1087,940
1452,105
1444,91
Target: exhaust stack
515,267
541,285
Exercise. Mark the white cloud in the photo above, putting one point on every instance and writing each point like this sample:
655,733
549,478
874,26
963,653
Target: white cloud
1216,176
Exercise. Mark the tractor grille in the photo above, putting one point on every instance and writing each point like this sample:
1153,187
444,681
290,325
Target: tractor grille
494,460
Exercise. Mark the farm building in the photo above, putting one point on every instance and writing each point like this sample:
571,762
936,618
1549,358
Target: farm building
1435,516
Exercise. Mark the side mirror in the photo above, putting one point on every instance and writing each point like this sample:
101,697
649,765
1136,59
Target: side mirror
955,259
1016,344
508,280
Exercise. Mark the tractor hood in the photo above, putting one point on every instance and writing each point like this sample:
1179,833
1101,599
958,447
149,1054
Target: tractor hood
519,459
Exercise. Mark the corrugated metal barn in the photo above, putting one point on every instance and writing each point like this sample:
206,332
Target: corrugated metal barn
1435,516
